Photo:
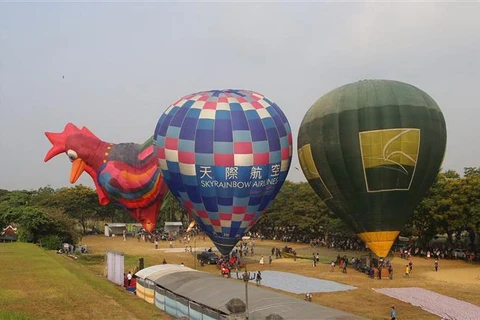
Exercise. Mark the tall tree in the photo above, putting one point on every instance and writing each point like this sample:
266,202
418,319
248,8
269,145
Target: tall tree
299,213
79,203
471,192
172,211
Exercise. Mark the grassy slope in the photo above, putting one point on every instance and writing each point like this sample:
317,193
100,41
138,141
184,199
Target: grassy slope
42,285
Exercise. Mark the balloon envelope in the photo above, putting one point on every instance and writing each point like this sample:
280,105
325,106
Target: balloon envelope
125,174
224,154
370,150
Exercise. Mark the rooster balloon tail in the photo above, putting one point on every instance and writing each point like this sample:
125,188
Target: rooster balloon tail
126,174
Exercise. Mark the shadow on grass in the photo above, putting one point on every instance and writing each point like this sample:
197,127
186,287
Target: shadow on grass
10,315
100,260
90,260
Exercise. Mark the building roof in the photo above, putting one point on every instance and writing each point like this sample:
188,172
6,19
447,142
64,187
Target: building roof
173,224
155,272
119,224
9,227
9,233
215,292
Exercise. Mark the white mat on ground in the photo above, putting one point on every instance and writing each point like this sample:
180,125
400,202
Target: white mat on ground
443,306
295,283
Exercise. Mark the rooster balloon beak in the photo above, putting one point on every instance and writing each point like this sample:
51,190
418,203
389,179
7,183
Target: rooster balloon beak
148,226
78,166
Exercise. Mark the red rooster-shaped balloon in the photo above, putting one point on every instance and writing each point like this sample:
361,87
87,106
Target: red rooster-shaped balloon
126,174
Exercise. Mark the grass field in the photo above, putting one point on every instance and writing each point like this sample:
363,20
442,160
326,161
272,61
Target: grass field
38,284
44,285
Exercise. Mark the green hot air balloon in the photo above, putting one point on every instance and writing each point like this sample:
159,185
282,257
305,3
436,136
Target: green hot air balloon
370,150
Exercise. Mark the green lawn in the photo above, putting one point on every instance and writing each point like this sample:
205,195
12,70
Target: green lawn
39,284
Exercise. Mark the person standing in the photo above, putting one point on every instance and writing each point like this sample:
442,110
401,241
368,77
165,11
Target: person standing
314,260
258,278
262,261
129,278
393,314
156,243
407,271
435,265
124,235
270,260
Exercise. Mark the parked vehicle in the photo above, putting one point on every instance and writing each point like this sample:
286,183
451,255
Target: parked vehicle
207,257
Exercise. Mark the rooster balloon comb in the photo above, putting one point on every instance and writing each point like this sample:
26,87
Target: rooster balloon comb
126,174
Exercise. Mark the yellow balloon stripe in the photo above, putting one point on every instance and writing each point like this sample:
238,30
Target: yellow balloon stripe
307,163
379,242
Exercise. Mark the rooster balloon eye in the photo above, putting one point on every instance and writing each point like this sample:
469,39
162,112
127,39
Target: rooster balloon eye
72,155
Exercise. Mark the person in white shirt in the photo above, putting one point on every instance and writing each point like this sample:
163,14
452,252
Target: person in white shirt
129,278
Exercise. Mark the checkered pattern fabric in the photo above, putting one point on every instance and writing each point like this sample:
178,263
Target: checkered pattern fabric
224,154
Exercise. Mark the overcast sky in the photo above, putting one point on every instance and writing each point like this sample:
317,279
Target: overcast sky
115,67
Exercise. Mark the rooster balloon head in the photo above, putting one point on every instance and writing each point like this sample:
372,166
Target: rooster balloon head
125,174
81,146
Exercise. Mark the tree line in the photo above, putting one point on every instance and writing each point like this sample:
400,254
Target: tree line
451,207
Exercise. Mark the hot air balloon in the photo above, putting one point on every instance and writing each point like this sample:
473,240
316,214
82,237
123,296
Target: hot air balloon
224,155
370,150
125,174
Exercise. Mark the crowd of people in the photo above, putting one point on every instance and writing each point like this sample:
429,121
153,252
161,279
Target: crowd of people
437,252
227,263
433,250
246,248
339,243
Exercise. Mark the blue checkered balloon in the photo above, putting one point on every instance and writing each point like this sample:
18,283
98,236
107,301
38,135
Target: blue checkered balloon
224,155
